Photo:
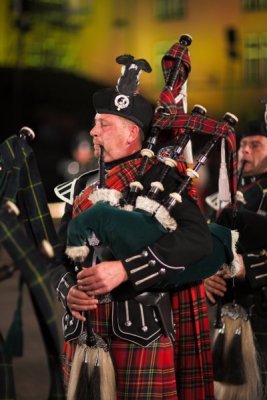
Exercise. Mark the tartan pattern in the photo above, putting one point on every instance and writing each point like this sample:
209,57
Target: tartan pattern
170,116
7,388
208,126
177,58
149,373
24,254
21,238
144,373
24,187
154,380
119,178
192,345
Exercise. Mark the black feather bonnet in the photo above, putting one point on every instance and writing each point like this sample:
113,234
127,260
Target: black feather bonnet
124,100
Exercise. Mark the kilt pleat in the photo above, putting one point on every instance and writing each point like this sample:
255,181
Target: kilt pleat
194,372
144,372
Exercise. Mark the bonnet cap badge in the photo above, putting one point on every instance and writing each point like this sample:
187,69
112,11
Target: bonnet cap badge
121,101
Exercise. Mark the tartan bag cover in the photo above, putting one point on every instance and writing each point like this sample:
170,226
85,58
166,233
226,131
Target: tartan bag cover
171,117
20,236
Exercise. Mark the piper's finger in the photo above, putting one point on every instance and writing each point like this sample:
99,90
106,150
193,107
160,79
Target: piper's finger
76,293
98,291
89,305
214,288
215,282
210,297
77,315
85,272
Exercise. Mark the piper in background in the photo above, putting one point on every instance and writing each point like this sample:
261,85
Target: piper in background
245,298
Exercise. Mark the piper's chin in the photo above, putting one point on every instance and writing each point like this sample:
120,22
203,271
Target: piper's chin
96,150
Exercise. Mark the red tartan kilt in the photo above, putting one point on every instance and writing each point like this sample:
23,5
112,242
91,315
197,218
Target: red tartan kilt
145,373
160,370
142,372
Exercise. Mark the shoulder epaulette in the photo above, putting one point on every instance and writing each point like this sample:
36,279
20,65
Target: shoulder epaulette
66,191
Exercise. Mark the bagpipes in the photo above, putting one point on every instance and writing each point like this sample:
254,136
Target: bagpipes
28,235
127,224
128,221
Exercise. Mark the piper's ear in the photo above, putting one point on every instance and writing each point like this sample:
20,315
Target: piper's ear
133,133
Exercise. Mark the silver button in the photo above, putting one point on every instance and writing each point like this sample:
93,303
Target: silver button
128,323
145,253
144,328
162,271
151,263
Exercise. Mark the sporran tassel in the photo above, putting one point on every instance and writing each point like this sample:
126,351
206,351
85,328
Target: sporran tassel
234,362
94,390
241,374
83,385
80,358
218,354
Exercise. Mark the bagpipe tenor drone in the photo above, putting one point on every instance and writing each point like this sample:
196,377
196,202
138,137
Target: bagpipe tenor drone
129,221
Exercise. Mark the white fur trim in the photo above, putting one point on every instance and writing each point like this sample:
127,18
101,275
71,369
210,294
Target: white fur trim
128,207
146,204
77,253
111,196
164,218
235,265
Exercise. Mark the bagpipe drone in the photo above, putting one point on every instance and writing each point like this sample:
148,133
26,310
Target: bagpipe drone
127,223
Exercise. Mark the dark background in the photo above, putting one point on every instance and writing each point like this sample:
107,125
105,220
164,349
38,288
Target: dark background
57,105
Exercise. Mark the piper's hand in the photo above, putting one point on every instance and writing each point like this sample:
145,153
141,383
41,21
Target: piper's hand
101,278
78,300
214,285
242,271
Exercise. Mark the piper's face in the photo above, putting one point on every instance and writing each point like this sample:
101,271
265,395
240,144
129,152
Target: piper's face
253,149
118,136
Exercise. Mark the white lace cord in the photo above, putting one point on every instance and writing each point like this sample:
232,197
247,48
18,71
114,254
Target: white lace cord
188,152
224,195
